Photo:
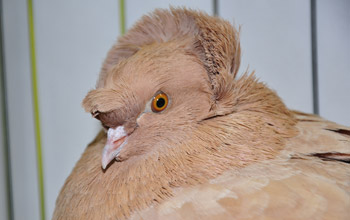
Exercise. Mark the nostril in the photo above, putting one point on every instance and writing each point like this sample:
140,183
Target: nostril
95,114
119,141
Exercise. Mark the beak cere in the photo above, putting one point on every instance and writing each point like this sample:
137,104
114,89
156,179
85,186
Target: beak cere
116,139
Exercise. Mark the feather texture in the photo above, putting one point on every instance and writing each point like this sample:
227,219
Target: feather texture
294,185
225,147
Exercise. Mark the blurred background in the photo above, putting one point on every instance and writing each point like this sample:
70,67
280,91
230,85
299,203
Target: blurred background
52,51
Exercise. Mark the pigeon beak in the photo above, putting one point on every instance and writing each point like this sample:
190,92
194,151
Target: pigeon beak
116,139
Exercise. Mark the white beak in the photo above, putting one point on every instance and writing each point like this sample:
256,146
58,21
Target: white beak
116,139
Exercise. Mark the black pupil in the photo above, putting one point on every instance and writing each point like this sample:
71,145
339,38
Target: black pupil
160,102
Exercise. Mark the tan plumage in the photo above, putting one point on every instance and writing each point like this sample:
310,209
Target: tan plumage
294,185
224,147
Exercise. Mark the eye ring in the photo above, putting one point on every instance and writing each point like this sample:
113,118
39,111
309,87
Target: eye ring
159,102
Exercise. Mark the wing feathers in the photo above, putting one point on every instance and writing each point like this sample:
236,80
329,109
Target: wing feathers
288,187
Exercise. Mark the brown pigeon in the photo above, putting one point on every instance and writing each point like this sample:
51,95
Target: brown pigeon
185,138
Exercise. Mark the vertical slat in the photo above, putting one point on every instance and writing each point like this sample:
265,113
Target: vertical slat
35,95
136,9
275,40
72,39
215,7
5,192
6,211
315,90
122,16
6,203
333,31
5,195
20,110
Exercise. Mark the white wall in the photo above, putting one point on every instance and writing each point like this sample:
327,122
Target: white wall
72,40
276,42
333,26
20,110
73,37
135,9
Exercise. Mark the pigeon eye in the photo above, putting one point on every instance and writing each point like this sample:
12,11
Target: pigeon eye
159,102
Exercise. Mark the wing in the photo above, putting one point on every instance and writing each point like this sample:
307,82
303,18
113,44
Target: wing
309,180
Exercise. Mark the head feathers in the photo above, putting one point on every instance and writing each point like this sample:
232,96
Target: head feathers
213,41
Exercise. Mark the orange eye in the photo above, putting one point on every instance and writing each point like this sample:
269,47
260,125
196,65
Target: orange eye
159,102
